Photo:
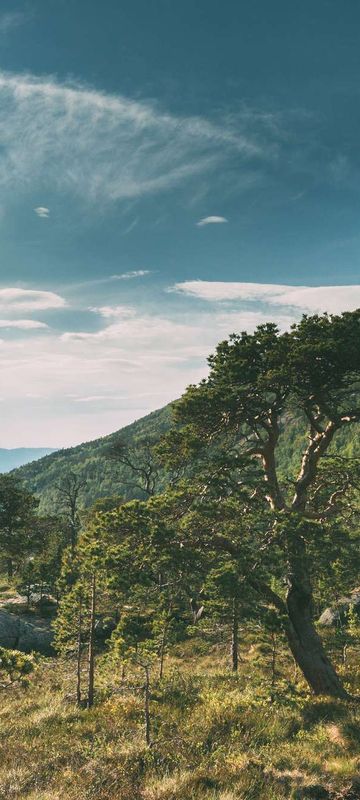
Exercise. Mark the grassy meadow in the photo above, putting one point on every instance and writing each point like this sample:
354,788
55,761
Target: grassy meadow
257,735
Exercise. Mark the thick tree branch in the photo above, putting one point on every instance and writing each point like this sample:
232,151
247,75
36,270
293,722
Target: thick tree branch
319,444
267,454
333,503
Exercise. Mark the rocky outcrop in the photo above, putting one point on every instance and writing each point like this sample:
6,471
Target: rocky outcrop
333,615
19,634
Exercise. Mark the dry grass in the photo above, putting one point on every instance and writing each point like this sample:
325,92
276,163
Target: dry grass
215,737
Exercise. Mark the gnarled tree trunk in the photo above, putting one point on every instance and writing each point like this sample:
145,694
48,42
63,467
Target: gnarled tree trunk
297,619
303,638
307,648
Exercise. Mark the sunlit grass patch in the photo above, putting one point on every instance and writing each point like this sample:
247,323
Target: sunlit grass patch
215,736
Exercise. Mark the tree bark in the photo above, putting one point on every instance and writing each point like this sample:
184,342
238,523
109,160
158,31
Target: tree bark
305,643
303,638
78,661
10,567
235,635
273,666
162,651
90,701
297,618
147,706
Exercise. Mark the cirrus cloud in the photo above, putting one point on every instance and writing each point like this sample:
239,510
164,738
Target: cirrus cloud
134,273
12,19
103,147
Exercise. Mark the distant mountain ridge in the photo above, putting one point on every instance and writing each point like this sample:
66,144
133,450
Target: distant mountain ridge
11,458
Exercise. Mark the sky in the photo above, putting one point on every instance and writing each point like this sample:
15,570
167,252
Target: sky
170,173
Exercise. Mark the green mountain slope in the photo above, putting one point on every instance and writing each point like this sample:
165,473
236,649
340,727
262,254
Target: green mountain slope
103,477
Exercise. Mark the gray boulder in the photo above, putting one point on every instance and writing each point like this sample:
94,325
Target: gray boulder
338,612
19,634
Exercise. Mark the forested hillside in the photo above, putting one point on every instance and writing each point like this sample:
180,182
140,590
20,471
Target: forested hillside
102,475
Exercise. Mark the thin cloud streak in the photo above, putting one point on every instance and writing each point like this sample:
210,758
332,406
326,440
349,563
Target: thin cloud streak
42,212
135,273
113,311
104,148
211,221
22,324
15,299
72,288
314,299
11,20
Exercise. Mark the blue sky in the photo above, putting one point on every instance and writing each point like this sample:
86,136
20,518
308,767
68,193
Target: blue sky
169,173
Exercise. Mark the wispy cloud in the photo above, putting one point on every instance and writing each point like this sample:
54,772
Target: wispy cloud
22,324
155,339
130,227
97,398
42,212
211,221
135,273
12,19
93,282
87,382
333,299
14,299
113,311
106,147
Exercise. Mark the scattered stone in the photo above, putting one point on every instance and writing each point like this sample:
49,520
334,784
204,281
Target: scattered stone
338,612
18,634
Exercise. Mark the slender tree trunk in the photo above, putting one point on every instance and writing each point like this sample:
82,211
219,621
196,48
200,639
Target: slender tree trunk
273,666
90,701
295,675
78,661
344,654
162,650
73,537
10,567
235,635
147,706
